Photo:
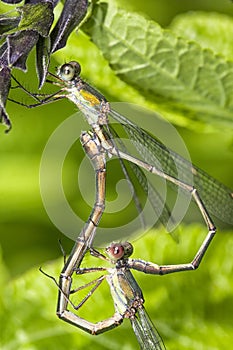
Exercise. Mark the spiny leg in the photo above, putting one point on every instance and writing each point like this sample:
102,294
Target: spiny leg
93,149
177,182
151,268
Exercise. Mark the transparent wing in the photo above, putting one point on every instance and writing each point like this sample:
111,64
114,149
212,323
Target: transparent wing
154,197
146,333
217,197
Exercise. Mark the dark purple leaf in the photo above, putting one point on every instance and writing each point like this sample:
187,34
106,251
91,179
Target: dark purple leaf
12,1
5,83
4,119
42,59
19,46
4,54
8,23
72,14
38,17
53,2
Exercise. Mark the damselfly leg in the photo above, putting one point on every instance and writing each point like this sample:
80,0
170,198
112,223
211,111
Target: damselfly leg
84,240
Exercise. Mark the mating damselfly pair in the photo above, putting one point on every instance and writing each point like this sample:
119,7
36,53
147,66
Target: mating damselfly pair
101,142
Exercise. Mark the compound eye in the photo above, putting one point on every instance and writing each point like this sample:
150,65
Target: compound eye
66,72
115,251
69,71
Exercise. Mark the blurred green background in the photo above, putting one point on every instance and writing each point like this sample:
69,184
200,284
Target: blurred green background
29,239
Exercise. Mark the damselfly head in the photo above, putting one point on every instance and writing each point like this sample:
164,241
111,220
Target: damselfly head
117,251
69,71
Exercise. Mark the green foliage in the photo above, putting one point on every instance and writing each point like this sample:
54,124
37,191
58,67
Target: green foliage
210,30
191,310
163,66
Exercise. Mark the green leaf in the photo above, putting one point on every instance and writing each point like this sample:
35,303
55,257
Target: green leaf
210,30
185,307
163,67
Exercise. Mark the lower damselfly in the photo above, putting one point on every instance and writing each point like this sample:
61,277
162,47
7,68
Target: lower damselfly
126,294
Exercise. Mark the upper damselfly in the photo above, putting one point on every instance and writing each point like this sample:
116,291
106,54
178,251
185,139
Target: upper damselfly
216,197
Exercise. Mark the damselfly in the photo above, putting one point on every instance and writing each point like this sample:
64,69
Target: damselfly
126,294
205,190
